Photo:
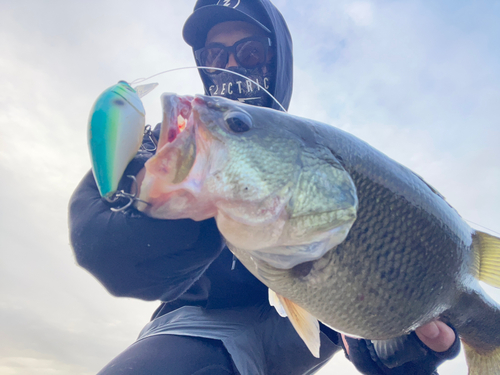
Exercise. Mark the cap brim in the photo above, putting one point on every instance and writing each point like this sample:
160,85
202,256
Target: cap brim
202,20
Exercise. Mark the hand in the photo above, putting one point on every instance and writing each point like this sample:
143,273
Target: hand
438,336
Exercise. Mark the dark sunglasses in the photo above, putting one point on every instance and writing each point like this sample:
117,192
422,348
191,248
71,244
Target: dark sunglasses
248,52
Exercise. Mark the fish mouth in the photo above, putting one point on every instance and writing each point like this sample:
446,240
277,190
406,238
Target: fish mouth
174,176
180,114
176,152
177,117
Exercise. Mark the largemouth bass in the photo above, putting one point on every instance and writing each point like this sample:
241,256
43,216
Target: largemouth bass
337,230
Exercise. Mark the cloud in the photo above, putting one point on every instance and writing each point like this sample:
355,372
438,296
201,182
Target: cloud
361,12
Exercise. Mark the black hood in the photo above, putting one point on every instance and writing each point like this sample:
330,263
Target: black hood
282,42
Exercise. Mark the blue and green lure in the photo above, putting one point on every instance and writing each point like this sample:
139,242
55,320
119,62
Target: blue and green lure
115,131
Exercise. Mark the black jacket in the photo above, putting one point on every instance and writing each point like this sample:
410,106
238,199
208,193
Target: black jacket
175,261
178,262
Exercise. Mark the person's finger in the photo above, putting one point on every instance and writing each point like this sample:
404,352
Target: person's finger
438,336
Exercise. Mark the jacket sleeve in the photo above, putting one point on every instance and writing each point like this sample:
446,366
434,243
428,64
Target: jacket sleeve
133,255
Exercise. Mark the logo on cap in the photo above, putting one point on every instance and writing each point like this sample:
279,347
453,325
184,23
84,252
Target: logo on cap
229,3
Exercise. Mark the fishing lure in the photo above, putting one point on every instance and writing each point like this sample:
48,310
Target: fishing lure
115,131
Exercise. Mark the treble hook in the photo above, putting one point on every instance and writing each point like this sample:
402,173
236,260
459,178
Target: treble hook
149,133
132,197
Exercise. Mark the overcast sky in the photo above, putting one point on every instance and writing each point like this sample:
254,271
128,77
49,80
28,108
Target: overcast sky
418,80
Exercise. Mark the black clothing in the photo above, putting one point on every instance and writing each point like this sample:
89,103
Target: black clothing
179,262
258,339
133,255
234,87
169,354
225,285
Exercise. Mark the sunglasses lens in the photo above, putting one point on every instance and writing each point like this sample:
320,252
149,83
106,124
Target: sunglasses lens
247,53
250,53
214,57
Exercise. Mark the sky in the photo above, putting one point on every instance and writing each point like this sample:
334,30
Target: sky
418,80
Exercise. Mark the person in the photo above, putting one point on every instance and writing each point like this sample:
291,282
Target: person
214,316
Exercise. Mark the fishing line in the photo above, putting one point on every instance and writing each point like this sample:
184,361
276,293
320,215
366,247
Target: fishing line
140,80
482,226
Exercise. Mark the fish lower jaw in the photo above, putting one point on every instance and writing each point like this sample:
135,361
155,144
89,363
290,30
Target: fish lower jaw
179,205
181,201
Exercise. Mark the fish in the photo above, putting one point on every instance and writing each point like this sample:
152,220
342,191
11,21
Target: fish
339,232
114,133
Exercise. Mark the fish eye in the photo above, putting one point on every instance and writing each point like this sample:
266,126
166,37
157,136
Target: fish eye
238,122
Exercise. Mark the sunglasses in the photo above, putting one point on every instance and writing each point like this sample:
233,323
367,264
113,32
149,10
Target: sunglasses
248,52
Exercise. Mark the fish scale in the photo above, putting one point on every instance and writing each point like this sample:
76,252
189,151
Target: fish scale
369,244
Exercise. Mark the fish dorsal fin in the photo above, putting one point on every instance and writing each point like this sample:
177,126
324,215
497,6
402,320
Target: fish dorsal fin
487,250
305,324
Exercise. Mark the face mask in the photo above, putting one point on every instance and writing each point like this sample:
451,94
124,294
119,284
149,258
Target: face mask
235,87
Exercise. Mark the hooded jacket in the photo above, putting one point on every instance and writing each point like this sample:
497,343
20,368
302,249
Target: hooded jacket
178,262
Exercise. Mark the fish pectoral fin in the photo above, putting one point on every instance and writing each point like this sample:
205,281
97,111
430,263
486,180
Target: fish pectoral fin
399,350
305,324
481,363
487,250
276,303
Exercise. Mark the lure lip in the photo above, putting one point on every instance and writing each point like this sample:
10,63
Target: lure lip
143,90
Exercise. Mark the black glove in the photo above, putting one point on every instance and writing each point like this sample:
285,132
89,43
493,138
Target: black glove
411,358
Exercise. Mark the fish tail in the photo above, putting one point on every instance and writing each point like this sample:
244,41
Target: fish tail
476,317
480,362
487,251
480,337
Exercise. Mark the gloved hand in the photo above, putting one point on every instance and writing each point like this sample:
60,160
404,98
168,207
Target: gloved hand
422,352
